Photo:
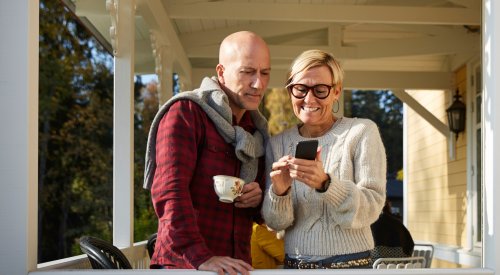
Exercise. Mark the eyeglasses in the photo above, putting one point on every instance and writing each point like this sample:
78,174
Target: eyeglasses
320,91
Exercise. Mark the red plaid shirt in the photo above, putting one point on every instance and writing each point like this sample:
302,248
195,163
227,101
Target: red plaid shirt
193,224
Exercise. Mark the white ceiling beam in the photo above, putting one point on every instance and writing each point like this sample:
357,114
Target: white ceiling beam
264,29
431,30
376,80
447,44
404,64
326,13
277,52
363,80
438,45
156,17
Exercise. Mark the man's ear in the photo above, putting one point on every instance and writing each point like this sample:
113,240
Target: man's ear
220,73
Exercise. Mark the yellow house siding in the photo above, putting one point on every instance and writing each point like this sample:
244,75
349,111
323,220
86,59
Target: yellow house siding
458,167
436,263
437,186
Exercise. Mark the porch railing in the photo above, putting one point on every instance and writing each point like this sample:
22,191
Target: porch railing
421,271
138,257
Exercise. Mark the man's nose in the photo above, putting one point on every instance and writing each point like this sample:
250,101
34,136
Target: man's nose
257,82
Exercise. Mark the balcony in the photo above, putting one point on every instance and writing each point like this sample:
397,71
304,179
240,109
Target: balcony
19,119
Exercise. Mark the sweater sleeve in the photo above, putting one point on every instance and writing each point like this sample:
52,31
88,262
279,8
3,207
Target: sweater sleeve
357,203
277,211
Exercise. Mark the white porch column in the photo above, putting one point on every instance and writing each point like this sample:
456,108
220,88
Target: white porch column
19,137
123,34
165,76
164,63
491,146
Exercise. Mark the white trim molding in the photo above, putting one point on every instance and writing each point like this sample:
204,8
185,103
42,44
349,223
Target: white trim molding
457,255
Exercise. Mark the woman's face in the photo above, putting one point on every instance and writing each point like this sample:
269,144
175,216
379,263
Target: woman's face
310,109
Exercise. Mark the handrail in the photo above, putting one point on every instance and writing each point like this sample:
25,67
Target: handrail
421,271
137,255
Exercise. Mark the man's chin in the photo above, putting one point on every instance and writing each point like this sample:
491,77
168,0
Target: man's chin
252,107
251,104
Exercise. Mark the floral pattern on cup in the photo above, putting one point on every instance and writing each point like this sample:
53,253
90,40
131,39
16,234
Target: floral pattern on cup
237,188
228,188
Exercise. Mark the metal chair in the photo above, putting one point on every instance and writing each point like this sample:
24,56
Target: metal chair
102,254
424,250
150,245
399,263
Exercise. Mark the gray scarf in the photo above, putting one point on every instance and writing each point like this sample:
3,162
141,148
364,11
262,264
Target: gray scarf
248,148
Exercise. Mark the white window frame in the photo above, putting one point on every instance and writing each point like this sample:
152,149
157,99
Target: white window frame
474,82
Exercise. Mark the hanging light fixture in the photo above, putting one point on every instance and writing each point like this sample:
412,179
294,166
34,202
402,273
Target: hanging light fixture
456,115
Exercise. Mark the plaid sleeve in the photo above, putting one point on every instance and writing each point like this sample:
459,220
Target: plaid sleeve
177,142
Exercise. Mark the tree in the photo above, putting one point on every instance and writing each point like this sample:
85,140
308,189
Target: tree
75,134
386,110
76,137
279,111
146,103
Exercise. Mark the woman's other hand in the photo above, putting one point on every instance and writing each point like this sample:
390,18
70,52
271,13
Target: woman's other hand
280,176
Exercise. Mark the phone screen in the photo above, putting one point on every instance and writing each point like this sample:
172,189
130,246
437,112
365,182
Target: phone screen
306,149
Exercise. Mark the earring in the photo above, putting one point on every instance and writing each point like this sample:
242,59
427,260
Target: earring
338,106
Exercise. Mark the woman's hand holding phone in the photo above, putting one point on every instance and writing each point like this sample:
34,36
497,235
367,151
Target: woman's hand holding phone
308,169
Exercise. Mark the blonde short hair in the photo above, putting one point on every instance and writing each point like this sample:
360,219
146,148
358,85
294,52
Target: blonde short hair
315,58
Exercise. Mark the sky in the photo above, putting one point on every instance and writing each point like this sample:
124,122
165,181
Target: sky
146,78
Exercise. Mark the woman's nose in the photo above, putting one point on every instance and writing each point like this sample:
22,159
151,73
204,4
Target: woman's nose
309,96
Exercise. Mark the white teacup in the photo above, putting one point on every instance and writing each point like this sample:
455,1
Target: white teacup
228,187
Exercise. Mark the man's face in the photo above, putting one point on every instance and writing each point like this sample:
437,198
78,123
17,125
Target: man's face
245,77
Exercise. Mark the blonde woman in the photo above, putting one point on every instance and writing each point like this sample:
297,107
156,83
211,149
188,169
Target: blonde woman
325,205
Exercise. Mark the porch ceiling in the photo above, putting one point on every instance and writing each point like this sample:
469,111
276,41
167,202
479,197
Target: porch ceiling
421,40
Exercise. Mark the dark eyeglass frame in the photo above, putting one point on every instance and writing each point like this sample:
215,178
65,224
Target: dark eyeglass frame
309,88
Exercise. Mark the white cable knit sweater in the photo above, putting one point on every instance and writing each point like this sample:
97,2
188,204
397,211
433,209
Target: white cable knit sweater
336,222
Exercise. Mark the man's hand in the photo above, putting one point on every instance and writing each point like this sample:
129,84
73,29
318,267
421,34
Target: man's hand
229,265
251,196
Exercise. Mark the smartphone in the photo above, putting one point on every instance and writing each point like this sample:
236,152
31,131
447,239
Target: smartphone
306,149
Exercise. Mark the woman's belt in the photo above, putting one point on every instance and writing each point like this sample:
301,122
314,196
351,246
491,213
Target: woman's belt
335,262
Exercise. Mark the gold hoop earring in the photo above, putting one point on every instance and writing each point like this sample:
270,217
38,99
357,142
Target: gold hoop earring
338,106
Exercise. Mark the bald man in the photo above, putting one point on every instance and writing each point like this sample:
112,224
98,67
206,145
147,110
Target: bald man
213,130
